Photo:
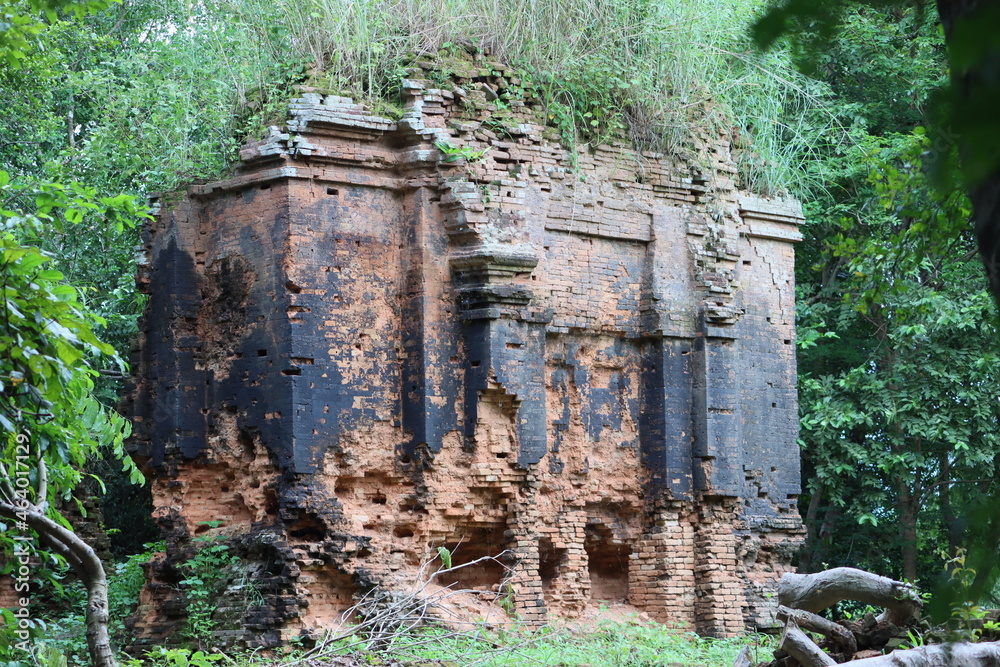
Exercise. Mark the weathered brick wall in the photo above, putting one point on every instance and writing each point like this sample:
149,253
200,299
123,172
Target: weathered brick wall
355,351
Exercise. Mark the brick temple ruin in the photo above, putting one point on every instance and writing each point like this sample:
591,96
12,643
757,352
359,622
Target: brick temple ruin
369,343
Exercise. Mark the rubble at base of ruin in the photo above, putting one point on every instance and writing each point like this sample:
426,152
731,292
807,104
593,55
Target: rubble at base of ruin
367,344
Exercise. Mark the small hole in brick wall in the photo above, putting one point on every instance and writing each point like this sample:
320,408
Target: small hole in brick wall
453,359
332,191
405,459
788,341
292,287
514,346
273,566
224,488
479,542
261,353
204,411
231,409
364,553
474,364
550,563
307,528
403,531
379,498
746,262
607,562
762,494
502,455
292,371
774,405
265,186
270,501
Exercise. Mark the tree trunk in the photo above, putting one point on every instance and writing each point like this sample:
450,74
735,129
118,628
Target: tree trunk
986,654
743,658
806,559
798,645
815,592
98,639
948,519
85,564
840,635
908,530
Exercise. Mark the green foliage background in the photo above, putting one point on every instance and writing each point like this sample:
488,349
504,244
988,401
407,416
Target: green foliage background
898,356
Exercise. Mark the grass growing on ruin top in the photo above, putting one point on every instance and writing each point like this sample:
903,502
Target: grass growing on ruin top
655,72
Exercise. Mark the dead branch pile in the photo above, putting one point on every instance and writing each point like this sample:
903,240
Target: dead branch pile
871,642
384,619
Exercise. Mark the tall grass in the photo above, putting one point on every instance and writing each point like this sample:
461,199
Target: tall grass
661,69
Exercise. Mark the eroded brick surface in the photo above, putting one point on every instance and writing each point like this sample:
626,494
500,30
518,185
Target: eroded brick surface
355,351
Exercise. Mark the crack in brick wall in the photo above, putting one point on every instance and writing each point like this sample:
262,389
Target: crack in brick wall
355,351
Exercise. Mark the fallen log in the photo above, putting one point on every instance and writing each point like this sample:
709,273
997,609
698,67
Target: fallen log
986,654
838,634
815,592
798,645
743,658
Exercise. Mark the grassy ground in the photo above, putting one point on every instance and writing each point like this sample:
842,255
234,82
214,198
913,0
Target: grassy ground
608,644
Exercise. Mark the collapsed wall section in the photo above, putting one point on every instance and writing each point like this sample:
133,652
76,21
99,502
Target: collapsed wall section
364,346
